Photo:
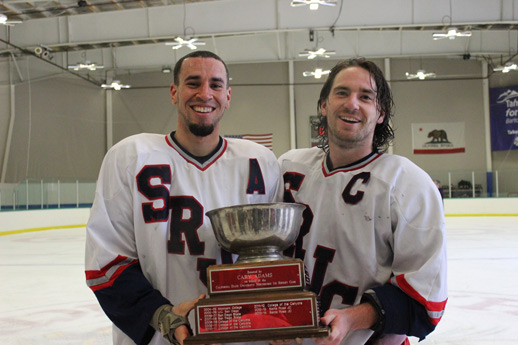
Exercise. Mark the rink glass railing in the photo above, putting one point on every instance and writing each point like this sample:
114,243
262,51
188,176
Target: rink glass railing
477,184
46,194
62,193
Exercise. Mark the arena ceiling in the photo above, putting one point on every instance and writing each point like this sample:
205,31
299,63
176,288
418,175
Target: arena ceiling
132,34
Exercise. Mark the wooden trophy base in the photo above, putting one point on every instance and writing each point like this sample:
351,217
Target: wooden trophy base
277,334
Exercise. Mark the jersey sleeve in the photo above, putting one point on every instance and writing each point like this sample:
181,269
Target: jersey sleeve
403,314
277,181
112,267
419,265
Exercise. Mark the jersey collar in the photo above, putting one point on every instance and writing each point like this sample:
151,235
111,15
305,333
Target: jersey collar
201,163
326,163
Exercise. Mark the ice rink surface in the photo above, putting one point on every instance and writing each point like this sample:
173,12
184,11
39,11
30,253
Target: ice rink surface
44,299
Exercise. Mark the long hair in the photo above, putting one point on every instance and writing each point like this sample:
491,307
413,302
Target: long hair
194,54
383,133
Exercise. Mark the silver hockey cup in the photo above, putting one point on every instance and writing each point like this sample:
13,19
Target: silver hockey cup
257,232
261,296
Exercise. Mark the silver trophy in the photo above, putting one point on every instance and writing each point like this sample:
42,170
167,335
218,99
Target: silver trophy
262,295
257,232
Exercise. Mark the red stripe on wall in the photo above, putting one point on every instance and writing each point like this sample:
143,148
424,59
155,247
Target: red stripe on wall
439,151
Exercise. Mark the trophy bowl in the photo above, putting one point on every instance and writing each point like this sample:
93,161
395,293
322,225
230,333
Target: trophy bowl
257,232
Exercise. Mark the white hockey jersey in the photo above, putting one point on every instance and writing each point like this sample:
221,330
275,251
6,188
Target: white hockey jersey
378,220
149,208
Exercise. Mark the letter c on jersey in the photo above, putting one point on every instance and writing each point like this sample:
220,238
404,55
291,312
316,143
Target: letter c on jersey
356,198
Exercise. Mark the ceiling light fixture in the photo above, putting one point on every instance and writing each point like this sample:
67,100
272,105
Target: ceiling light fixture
180,42
421,75
317,73
5,21
91,66
451,33
115,85
313,4
321,52
186,40
509,66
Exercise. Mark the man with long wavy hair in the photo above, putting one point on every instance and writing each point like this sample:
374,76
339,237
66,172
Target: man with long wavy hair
373,238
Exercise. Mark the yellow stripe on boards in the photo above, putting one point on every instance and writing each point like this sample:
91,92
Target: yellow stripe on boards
21,231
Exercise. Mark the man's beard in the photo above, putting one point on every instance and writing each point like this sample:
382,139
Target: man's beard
201,130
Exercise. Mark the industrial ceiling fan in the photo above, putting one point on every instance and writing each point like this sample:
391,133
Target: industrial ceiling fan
320,52
451,33
5,21
313,4
507,67
91,66
421,75
317,73
180,42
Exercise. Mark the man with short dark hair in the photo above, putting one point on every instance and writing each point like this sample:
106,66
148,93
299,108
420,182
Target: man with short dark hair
148,240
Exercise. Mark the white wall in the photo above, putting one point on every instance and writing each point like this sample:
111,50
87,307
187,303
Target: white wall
481,206
60,124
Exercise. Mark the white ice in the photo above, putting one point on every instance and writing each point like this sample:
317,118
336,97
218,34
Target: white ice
44,299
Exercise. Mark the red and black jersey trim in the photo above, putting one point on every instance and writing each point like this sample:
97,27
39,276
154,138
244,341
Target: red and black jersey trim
328,171
202,163
105,277
435,310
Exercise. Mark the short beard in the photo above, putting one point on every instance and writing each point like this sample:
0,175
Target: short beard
201,130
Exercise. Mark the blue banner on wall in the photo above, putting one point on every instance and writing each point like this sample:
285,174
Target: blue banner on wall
504,118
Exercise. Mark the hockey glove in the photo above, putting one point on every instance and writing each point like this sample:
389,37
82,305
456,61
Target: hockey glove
166,322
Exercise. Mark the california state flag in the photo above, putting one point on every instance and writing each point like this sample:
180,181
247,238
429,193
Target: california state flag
438,138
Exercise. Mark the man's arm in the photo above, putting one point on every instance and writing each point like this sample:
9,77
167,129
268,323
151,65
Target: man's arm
130,302
171,321
343,321
403,315
415,297
113,271
366,315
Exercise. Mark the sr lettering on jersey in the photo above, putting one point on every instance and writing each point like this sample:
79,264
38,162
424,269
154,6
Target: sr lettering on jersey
184,213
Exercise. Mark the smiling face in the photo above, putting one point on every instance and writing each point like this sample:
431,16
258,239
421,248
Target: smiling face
201,96
351,111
